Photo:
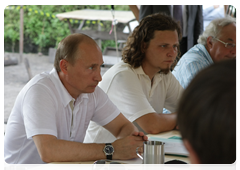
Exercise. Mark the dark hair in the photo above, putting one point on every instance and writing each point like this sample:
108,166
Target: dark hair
67,49
143,33
207,113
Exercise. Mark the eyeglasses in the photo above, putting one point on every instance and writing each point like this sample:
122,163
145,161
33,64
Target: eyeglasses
227,45
98,165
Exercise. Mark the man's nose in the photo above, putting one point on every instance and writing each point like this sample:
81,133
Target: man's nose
98,76
233,51
172,52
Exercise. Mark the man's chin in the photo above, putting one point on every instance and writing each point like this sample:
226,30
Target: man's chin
90,90
165,70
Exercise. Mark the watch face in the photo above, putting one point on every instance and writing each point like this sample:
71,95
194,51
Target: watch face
109,149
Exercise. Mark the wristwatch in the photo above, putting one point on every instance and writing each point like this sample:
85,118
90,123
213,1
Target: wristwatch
108,150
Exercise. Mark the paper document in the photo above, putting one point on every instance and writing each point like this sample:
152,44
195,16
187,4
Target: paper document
172,146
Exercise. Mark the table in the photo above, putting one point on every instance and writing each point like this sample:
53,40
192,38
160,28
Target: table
124,17
102,15
81,165
92,14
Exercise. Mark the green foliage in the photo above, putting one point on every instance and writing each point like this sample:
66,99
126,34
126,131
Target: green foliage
43,29
11,27
108,43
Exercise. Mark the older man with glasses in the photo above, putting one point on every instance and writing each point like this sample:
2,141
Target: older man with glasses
217,43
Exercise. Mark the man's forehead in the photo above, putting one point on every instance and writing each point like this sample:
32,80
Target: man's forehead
88,47
90,53
228,30
165,36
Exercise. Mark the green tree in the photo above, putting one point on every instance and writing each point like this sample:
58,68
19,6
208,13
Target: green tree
43,29
11,27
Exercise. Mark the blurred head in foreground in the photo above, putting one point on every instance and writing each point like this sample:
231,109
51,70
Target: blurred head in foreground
207,115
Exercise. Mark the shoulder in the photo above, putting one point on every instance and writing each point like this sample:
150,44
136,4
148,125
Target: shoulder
39,81
119,72
198,54
118,68
40,86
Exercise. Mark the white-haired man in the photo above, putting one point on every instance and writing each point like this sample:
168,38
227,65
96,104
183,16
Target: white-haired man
218,42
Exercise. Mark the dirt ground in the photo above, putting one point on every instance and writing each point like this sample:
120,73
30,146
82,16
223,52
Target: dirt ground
16,76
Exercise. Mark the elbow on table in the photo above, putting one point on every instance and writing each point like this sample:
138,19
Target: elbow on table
152,131
46,159
155,130
46,156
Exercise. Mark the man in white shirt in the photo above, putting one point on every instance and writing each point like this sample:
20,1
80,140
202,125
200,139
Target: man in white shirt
52,112
142,85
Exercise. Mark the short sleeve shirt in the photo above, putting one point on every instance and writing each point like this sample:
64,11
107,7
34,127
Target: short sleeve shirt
42,107
131,91
196,59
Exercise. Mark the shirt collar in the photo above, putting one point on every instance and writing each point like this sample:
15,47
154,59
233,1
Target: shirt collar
139,71
62,91
204,50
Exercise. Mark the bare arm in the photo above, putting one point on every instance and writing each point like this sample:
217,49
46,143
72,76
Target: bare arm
135,11
127,128
52,149
154,123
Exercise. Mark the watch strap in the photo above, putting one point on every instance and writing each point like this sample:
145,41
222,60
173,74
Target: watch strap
109,157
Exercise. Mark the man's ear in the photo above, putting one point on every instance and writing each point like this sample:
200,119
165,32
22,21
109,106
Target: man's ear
144,47
63,66
194,159
209,42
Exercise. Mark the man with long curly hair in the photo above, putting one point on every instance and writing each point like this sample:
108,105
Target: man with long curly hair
142,84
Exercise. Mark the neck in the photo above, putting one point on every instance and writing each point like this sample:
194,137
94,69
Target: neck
208,50
68,86
152,81
149,71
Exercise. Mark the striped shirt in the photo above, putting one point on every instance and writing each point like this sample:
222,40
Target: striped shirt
191,63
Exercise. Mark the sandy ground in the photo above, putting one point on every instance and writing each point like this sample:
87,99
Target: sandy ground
16,76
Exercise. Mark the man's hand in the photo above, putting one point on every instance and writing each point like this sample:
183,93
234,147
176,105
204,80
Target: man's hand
125,148
144,137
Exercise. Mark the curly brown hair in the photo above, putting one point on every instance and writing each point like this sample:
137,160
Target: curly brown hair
133,51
